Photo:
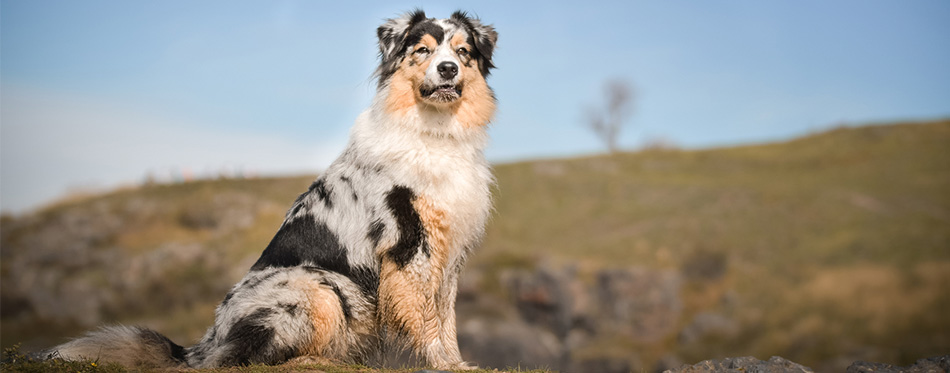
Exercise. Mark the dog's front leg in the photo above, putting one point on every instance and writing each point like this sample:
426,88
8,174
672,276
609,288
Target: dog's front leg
414,301
447,331
409,311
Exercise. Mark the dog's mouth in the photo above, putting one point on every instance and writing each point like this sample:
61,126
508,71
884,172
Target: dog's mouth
442,93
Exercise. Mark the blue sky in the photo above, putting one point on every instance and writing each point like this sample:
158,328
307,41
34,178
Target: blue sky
98,94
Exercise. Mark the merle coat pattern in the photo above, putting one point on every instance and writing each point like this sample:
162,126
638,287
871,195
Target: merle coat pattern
369,256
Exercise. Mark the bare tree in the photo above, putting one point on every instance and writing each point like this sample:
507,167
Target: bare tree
606,122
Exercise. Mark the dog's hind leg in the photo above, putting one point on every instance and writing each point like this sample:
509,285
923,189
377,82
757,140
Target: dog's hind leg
279,314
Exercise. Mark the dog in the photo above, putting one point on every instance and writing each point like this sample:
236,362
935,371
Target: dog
369,256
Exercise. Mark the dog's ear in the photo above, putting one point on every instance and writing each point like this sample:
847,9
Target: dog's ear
392,33
484,37
392,37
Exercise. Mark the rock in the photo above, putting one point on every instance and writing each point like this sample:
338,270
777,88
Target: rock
939,364
543,298
642,303
744,364
503,343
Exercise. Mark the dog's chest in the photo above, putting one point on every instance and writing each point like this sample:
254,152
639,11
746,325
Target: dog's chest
449,176
455,195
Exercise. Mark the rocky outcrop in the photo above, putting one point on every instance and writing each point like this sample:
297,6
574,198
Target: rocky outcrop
551,318
119,257
744,364
940,364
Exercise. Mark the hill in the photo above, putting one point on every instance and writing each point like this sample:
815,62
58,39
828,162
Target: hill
826,249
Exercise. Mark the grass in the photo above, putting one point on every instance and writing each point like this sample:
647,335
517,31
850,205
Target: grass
15,361
833,198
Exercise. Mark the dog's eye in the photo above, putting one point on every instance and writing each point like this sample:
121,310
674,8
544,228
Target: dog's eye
422,50
462,51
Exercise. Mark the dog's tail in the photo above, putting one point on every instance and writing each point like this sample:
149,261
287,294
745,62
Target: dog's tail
130,346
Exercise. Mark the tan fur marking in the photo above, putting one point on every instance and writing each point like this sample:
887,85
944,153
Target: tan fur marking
436,223
326,315
428,41
404,84
477,106
400,300
457,40
440,330
402,92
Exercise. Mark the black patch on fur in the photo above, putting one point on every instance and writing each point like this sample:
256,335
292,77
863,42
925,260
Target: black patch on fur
163,344
376,232
290,308
297,207
411,231
366,279
422,29
250,341
253,282
349,184
227,298
313,269
214,333
301,241
323,192
344,302
370,168
300,202
283,284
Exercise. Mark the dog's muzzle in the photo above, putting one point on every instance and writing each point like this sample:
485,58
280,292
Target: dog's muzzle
442,93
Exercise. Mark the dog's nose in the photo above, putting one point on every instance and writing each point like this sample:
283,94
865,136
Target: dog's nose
448,70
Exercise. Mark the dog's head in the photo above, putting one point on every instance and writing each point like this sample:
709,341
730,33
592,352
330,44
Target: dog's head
440,63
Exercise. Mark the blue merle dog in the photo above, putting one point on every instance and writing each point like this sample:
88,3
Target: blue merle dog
370,255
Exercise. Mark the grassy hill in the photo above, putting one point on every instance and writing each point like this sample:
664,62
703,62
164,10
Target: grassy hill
829,247
831,244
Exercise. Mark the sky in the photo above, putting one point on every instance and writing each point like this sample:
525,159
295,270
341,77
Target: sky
100,94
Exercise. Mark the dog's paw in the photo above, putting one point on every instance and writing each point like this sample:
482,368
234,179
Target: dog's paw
465,366
310,360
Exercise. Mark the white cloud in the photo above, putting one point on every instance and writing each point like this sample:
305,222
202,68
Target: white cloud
53,142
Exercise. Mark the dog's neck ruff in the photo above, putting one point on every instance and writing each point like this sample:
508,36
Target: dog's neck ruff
418,139
435,124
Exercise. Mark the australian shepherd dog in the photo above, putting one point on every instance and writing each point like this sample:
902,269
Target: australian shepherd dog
369,256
